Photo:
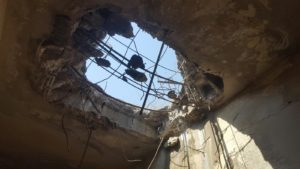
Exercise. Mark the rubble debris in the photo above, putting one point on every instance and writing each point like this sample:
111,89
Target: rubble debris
174,127
208,92
124,78
136,62
50,52
136,75
172,142
83,43
102,62
92,20
183,100
61,31
216,80
172,95
116,23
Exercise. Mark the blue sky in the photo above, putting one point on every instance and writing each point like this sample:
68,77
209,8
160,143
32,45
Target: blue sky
148,47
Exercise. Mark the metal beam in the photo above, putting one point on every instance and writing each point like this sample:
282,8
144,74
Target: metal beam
152,77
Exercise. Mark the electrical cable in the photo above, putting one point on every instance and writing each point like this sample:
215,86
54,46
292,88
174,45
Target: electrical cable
138,87
96,87
123,59
144,56
156,152
110,50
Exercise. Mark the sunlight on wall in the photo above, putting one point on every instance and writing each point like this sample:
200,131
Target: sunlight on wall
242,149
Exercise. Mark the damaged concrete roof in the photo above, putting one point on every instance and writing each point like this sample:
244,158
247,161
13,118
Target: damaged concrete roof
237,40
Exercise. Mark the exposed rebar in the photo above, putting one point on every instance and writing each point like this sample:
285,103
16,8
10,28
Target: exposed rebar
152,77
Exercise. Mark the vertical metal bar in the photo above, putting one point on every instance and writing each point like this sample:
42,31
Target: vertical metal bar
216,132
186,150
151,80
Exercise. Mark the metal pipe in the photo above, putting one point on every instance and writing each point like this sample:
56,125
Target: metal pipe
152,77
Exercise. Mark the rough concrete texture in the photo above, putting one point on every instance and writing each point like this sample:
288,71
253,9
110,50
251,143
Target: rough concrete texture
258,129
38,134
237,40
247,43
196,149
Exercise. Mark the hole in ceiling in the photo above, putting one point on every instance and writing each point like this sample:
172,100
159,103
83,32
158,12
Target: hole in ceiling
111,69
215,80
120,58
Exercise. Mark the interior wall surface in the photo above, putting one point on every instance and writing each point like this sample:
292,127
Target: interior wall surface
260,128
36,133
256,130
196,150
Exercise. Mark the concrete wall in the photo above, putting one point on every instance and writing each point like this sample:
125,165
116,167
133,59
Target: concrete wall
260,128
35,133
195,145
190,154
256,130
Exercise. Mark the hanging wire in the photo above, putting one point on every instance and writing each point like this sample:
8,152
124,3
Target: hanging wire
141,89
122,59
164,53
96,87
106,43
154,99
142,92
144,56
104,47
135,46
160,60
105,86
89,65
120,74
156,152
136,86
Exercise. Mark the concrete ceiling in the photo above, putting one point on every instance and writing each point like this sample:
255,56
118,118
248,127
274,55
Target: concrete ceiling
238,40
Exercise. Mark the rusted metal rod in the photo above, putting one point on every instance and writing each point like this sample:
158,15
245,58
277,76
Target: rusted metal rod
170,82
152,77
